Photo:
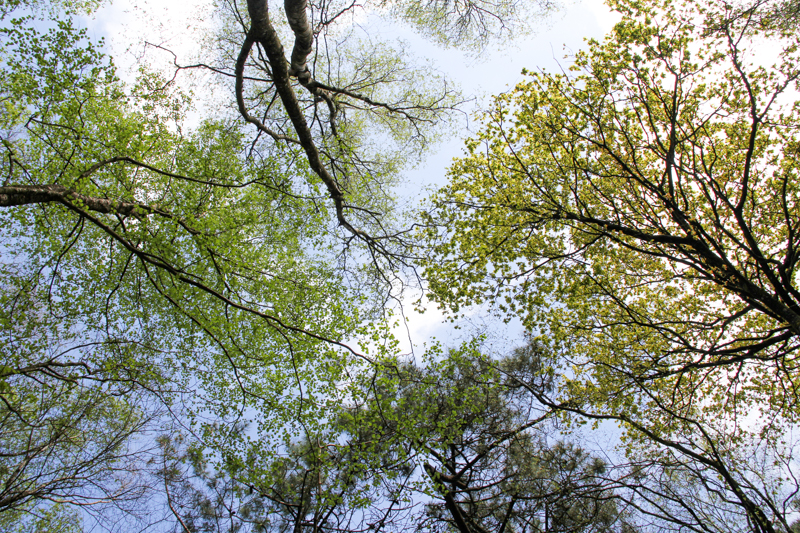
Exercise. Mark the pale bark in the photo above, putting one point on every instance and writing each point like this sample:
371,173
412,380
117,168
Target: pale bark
16,195
303,38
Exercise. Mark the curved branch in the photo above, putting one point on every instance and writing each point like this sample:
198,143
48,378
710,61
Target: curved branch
303,38
264,33
240,62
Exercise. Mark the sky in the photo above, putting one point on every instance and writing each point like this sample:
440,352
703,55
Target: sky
127,24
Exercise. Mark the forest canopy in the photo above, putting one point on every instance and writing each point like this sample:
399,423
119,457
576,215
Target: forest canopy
638,212
197,316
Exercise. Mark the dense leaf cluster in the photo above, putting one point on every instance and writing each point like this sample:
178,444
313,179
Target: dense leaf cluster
639,214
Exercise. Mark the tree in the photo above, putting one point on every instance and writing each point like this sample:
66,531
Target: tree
453,447
126,282
313,485
337,92
493,456
639,213
146,263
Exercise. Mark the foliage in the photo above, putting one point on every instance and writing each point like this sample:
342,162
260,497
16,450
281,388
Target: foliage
358,109
453,447
466,23
493,457
639,213
153,270
54,518
144,266
313,485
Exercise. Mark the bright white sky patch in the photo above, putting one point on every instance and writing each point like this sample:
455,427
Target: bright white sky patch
128,24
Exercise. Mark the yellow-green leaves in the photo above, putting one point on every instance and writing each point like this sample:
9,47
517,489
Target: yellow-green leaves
640,212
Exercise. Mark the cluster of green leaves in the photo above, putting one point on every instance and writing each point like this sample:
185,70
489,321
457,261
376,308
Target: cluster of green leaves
57,519
448,447
639,212
594,205
146,266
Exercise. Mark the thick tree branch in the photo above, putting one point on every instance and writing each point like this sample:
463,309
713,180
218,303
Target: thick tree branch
303,38
264,33
450,503
720,270
17,195
240,63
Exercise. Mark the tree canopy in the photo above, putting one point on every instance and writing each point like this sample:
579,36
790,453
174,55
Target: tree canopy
638,212
159,274
193,314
